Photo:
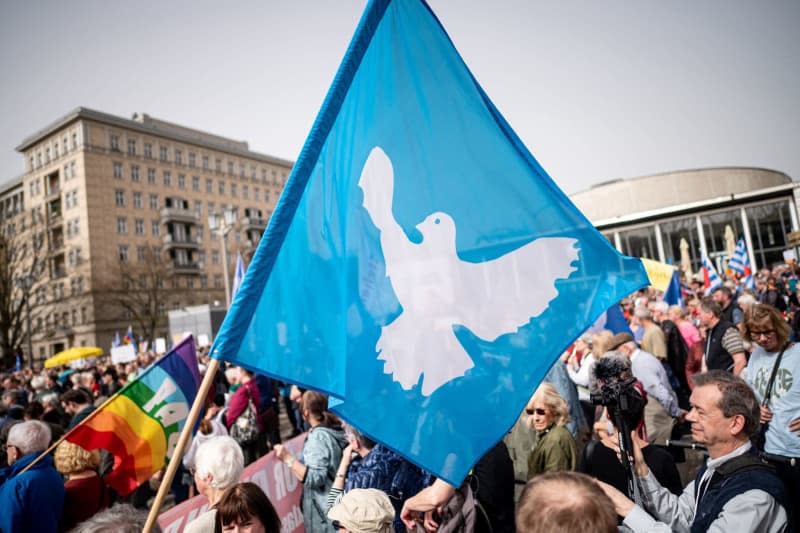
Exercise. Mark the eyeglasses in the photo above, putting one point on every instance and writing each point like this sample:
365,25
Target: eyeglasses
757,334
539,411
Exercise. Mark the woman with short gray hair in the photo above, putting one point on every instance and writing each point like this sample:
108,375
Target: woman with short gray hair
218,464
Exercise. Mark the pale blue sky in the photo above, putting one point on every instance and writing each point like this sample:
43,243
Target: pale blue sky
597,90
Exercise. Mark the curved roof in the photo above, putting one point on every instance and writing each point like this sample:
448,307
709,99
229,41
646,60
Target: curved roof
622,197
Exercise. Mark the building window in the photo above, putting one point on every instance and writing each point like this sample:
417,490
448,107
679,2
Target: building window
123,253
122,225
218,165
178,157
148,151
181,181
119,198
154,201
245,192
222,187
191,160
769,224
204,281
72,169
167,179
55,149
209,185
241,170
196,183
155,226
151,176
162,153
199,233
198,207
205,162
141,254
230,168
233,190
114,142
135,173
217,281
138,226
131,146
256,194
252,172
74,141
84,316
215,257
118,170
137,200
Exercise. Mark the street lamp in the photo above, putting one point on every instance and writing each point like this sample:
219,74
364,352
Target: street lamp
222,225
24,283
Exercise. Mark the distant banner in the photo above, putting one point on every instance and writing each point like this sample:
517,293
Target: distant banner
282,488
660,274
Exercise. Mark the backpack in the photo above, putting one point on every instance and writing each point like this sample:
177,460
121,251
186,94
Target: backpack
245,428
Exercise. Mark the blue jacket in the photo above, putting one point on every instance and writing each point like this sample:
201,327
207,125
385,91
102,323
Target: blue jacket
31,501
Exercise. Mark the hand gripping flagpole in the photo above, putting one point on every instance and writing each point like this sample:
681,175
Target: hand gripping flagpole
177,454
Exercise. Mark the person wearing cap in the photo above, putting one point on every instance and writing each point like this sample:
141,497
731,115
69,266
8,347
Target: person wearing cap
659,415
363,511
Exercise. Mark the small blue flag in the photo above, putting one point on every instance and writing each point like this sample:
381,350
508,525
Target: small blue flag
238,275
673,293
420,265
117,341
612,320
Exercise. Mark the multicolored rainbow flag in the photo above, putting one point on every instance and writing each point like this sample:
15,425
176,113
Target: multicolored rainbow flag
141,425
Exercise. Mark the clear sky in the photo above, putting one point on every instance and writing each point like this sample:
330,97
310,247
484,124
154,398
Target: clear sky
597,90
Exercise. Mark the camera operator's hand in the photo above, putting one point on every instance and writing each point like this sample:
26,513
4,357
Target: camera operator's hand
638,457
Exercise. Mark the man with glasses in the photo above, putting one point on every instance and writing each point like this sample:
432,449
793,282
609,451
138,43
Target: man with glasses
734,491
724,349
764,325
32,499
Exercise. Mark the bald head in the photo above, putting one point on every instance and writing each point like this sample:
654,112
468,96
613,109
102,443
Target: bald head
565,502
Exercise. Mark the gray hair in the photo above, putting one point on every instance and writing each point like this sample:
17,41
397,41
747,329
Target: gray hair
29,437
737,397
122,518
50,399
38,383
642,312
661,306
222,458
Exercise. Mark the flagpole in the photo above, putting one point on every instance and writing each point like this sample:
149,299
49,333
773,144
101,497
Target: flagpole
67,434
177,454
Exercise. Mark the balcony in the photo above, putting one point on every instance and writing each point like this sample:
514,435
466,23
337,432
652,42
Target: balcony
184,268
171,241
178,214
53,193
56,246
254,224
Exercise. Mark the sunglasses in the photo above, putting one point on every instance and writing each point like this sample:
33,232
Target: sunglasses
539,411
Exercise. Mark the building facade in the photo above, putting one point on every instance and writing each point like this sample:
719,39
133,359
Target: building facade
116,199
650,216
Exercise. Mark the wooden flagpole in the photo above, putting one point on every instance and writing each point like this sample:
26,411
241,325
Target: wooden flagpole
177,454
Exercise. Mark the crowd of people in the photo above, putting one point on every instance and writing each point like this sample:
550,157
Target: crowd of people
592,448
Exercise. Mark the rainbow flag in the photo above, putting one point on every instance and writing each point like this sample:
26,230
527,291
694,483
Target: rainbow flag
141,425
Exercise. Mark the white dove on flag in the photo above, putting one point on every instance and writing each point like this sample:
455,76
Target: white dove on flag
437,290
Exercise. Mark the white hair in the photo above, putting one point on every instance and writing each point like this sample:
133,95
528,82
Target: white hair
38,383
222,458
51,398
746,299
122,518
661,306
29,437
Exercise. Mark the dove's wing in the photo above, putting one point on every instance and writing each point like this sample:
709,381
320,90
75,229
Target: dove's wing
501,295
377,182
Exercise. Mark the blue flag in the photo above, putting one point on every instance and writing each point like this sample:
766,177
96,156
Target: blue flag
673,293
612,320
420,265
238,275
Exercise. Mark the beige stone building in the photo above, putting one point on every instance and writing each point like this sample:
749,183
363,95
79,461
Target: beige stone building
114,197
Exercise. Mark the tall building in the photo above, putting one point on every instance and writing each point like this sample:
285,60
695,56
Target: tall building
123,208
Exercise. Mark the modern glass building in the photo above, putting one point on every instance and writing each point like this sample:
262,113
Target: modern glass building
651,216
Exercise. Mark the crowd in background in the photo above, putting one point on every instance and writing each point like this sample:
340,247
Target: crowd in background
667,366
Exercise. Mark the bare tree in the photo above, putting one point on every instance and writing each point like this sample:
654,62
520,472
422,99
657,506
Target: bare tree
143,290
22,267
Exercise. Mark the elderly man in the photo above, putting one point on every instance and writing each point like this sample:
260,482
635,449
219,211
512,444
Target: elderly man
733,491
653,339
724,349
662,407
777,360
31,500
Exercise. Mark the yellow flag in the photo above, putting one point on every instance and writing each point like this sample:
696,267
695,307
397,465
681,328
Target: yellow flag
659,273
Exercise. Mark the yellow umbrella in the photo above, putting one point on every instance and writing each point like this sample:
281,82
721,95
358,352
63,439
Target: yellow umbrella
72,354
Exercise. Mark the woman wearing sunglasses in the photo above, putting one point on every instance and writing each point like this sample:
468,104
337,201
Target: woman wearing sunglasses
555,448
